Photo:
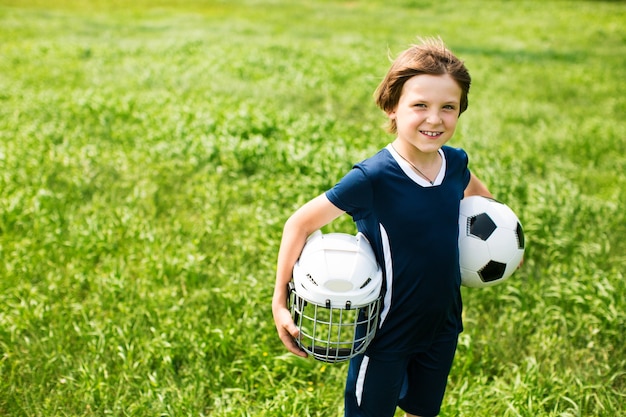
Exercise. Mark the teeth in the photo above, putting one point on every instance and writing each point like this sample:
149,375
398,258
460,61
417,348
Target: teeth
432,134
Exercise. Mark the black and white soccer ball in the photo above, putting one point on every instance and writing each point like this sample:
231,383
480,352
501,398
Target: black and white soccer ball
491,242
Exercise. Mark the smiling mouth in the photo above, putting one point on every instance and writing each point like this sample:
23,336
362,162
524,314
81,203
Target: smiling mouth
430,134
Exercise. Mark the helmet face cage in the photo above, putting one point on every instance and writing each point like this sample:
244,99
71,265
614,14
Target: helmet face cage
332,334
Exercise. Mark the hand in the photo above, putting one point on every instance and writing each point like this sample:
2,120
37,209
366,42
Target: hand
287,331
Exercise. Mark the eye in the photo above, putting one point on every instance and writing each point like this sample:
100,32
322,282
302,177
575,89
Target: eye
420,105
449,107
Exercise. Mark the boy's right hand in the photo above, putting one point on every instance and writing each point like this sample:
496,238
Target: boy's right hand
287,331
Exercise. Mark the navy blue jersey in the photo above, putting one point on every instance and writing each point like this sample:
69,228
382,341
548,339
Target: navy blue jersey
413,228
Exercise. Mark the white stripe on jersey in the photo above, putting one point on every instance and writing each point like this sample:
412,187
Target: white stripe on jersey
388,274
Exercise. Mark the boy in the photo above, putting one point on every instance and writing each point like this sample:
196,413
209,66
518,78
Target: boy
405,199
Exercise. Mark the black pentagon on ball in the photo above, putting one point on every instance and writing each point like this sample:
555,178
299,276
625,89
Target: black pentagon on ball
519,233
481,226
492,271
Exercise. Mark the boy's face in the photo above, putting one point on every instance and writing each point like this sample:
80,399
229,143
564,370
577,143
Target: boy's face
427,112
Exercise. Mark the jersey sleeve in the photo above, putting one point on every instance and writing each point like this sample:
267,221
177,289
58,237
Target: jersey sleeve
352,194
466,171
459,164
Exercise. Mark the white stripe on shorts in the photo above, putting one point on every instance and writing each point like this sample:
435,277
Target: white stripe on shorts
360,381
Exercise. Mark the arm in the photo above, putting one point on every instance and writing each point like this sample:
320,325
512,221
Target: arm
476,187
307,219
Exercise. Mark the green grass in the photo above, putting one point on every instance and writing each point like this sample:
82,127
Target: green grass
150,154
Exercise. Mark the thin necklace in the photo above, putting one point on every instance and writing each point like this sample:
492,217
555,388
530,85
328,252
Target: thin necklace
432,182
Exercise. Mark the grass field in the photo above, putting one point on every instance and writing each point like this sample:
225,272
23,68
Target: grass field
150,153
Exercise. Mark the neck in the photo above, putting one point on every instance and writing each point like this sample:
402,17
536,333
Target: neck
415,156
427,166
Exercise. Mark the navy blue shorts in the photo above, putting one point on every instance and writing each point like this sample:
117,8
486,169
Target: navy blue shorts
415,383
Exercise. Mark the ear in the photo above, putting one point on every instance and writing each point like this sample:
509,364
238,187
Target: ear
391,114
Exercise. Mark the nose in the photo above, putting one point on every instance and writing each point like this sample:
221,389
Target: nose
434,118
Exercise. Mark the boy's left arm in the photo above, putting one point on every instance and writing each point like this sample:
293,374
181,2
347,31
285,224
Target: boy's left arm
476,187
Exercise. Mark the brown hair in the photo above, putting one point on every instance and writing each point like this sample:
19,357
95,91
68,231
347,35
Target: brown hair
431,57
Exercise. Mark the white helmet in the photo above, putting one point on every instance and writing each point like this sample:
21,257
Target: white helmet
335,296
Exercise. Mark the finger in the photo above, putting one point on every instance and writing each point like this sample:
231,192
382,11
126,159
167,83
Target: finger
285,321
292,329
292,346
288,331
